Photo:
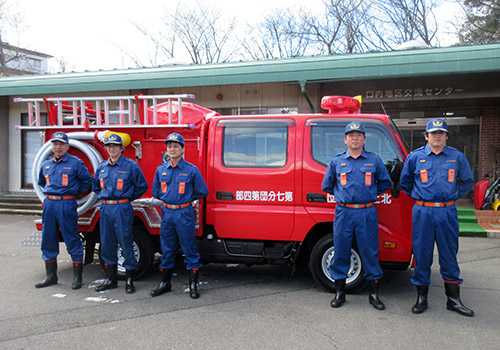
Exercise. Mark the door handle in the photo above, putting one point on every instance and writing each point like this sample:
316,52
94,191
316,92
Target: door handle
224,195
316,198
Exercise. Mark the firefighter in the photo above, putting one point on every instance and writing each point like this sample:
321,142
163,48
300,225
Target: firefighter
62,178
435,176
177,183
118,181
356,177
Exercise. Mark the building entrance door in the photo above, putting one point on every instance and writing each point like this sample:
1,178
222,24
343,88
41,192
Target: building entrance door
463,135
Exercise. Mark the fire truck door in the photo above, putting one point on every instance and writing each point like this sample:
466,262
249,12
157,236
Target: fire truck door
254,181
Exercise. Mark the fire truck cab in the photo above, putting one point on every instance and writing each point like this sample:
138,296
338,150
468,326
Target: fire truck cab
264,173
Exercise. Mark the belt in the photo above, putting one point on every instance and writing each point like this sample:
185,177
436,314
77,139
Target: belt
434,204
59,197
356,206
115,201
177,206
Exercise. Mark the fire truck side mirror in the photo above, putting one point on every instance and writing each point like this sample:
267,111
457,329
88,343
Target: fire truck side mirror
394,167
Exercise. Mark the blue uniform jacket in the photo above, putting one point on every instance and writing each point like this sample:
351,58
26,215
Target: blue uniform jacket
432,177
180,184
66,177
356,180
123,180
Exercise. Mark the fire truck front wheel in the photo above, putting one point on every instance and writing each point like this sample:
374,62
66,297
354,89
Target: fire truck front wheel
143,251
319,264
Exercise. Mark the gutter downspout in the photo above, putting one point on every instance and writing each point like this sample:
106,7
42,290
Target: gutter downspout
303,90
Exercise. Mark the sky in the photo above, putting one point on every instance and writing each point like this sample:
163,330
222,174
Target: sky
93,34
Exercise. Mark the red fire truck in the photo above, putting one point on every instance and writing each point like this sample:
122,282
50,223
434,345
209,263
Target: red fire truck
264,173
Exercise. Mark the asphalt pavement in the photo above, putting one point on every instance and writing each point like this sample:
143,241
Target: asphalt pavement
241,307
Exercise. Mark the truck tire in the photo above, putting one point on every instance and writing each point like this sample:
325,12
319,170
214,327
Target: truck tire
143,250
320,260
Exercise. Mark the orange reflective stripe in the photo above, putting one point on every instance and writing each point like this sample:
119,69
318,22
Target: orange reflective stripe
163,187
434,204
451,175
176,206
115,201
119,185
65,179
182,187
368,179
343,179
423,175
356,206
60,197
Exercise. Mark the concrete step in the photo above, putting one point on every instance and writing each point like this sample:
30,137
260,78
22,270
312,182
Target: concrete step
21,211
20,204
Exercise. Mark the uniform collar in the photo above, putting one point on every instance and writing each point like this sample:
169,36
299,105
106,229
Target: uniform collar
428,150
118,162
348,155
180,163
63,158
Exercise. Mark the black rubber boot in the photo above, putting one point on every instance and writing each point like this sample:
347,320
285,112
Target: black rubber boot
129,281
111,278
165,285
454,303
50,275
373,295
340,294
78,275
421,303
193,284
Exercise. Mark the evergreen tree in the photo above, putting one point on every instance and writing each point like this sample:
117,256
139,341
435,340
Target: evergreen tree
482,24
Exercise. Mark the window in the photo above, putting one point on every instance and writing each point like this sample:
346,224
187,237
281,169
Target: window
255,144
35,62
327,140
31,144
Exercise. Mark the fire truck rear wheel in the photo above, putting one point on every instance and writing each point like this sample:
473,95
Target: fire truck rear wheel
143,251
320,260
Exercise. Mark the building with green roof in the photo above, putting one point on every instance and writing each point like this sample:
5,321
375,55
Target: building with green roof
458,83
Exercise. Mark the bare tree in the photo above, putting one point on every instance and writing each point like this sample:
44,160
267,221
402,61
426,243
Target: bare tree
10,19
279,35
64,65
160,47
200,30
340,29
202,33
399,21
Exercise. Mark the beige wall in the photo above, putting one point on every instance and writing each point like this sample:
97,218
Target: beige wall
243,96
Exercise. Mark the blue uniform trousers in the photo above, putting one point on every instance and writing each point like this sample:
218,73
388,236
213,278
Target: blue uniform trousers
116,228
178,226
60,214
361,223
439,225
